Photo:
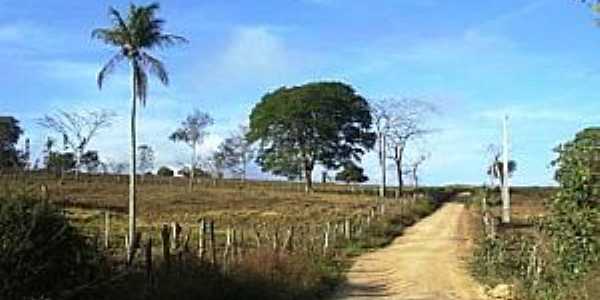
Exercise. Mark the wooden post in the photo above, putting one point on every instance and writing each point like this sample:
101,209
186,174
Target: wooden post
175,229
45,194
226,255
127,244
234,243
241,245
201,238
348,229
289,241
164,233
148,256
276,240
257,237
213,244
326,238
106,229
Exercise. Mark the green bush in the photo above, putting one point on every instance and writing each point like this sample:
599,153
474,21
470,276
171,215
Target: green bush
41,254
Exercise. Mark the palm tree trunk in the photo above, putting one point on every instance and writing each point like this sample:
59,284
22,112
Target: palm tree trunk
132,169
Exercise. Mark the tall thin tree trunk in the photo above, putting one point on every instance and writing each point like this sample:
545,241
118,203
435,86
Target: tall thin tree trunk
307,177
243,167
132,170
77,163
399,152
192,167
382,156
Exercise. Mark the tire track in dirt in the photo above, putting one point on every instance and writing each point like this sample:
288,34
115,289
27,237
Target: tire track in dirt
423,264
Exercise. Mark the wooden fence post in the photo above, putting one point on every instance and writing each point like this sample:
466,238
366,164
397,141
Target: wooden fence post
326,238
45,193
201,238
148,256
106,229
257,237
164,233
175,230
241,245
348,229
289,241
276,240
213,244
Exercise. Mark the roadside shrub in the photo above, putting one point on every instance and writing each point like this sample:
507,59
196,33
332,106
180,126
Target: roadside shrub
41,254
165,172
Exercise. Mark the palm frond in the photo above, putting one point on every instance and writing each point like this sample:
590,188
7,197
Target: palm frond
167,40
118,19
108,68
156,67
109,36
140,83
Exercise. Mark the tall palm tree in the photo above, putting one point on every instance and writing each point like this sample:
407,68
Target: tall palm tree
135,35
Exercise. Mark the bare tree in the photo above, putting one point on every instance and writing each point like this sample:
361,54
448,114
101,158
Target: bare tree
413,168
237,151
77,129
406,118
380,110
215,165
145,160
192,132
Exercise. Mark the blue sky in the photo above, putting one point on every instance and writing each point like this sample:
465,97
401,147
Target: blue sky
476,60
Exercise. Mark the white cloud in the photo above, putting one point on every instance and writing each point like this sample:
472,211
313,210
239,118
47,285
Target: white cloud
254,50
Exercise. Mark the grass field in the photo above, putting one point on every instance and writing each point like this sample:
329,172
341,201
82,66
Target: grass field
270,208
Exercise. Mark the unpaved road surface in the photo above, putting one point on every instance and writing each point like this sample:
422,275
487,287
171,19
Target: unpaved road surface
423,264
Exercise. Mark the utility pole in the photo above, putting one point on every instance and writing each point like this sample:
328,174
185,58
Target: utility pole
382,157
505,180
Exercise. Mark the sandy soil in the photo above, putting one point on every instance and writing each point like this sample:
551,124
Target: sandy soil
424,264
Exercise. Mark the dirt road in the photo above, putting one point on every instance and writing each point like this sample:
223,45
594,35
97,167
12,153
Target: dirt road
423,264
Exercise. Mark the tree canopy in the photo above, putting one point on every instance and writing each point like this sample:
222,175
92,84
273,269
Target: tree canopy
351,173
297,127
10,132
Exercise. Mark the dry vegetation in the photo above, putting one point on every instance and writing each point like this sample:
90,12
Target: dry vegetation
253,269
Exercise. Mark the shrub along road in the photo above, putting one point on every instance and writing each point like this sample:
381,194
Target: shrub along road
425,263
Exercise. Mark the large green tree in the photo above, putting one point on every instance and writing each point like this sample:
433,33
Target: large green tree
134,36
298,127
351,173
10,132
